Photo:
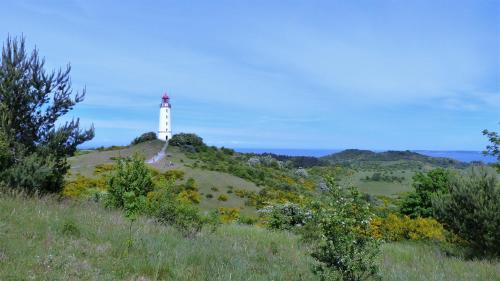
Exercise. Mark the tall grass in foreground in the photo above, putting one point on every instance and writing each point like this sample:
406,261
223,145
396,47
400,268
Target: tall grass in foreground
419,261
42,239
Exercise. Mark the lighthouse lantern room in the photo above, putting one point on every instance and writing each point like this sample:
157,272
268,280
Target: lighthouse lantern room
165,127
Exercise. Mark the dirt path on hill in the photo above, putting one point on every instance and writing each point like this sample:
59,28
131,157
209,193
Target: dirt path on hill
160,155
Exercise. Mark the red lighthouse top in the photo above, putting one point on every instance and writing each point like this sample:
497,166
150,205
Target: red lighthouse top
165,100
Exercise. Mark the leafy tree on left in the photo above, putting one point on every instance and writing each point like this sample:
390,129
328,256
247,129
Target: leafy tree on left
33,150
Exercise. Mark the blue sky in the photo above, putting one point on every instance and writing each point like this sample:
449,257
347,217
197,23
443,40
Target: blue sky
278,74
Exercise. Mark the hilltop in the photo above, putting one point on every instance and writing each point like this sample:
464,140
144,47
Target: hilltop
357,157
214,183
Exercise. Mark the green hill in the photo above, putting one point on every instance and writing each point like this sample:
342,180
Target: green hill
357,157
209,182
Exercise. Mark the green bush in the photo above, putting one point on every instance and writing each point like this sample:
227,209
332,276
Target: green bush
163,205
35,174
342,249
131,175
222,197
188,142
471,210
70,228
419,203
149,136
174,174
285,216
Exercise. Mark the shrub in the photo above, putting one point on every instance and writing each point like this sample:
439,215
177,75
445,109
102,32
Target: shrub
163,206
189,196
35,174
187,141
103,168
222,197
471,210
131,175
70,228
342,249
285,216
395,228
191,184
174,174
82,186
149,136
418,203
228,215
209,196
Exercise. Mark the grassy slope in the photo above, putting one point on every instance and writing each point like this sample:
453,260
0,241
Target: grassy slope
84,164
380,187
34,246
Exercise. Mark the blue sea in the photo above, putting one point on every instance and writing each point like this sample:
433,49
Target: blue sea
463,156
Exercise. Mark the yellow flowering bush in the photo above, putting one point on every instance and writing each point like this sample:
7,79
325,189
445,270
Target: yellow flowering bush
83,186
396,228
222,197
228,215
103,168
189,196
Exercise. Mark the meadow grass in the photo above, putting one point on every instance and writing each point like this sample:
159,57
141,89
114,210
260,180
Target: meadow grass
42,239
407,261
47,239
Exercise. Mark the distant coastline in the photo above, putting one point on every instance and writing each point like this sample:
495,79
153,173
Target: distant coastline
463,156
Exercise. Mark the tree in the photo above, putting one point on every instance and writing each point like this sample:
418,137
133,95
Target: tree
471,210
419,203
189,142
494,147
149,136
32,100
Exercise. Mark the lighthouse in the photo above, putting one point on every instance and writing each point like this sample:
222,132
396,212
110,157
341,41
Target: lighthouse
165,126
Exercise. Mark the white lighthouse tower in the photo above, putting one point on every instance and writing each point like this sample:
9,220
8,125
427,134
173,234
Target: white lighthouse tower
165,126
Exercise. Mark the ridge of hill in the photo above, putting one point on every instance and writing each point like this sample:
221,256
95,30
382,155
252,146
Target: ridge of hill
359,157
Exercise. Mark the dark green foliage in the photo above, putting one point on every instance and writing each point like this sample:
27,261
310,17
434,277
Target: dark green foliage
188,142
297,161
384,177
494,147
130,179
32,100
149,136
70,228
164,207
471,210
418,203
